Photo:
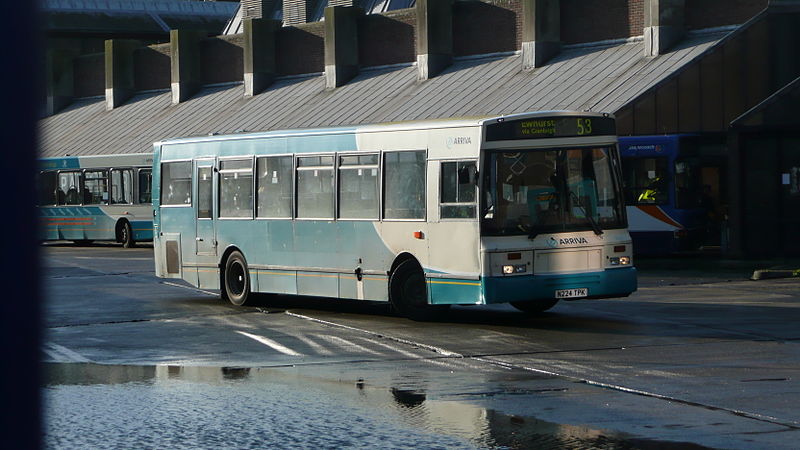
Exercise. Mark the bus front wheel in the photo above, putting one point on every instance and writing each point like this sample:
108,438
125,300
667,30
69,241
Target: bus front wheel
535,307
236,284
408,294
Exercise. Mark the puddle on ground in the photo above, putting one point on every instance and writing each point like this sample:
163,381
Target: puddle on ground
101,406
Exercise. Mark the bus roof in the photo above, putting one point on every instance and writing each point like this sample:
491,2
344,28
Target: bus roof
455,122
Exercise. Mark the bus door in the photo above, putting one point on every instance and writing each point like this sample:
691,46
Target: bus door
206,238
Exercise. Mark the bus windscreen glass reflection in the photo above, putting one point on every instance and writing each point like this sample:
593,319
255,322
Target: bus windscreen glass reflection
531,192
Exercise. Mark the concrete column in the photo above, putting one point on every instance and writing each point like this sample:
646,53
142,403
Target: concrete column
59,79
663,25
184,48
434,37
259,54
541,32
735,245
119,71
341,44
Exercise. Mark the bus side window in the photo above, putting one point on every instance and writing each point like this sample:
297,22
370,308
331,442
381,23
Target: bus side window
358,187
121,186
95,188
176,183
274,195
69,185
457,195
145,186
404,185
315,187
236,188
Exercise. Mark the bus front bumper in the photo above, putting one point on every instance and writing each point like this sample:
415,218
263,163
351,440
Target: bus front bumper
617,282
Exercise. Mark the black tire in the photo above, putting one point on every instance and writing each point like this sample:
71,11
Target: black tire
81,242
535,307
408,293
126,235
236,281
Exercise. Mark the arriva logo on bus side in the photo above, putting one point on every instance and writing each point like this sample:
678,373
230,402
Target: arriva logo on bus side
553,242
460,140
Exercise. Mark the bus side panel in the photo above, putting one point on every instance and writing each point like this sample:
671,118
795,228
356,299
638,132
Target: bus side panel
443,291
142,229
277,281
454,250
368,287
321,284
274,247
172,225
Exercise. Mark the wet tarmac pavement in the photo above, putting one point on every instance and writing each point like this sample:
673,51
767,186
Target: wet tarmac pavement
706,360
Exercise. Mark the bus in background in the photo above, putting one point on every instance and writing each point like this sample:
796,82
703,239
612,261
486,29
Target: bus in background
524,209
674,191
97,198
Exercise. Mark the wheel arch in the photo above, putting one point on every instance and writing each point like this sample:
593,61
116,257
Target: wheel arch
401,258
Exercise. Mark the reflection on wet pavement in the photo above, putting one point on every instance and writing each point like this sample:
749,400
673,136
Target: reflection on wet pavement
102,406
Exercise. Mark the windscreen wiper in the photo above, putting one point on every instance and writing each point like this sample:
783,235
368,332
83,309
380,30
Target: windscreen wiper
593,223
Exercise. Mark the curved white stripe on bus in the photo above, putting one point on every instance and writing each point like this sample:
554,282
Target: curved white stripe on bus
639,220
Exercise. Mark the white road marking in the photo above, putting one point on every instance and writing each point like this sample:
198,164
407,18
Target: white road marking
63,354
392,348
438,350
344,342
270,343
314,345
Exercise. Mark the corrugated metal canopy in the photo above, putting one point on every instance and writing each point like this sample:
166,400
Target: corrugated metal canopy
598,78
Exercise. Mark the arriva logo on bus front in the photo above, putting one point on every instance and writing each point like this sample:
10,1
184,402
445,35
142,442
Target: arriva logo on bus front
553,242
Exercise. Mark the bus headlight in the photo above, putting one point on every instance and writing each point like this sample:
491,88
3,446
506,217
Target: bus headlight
512,269
620,261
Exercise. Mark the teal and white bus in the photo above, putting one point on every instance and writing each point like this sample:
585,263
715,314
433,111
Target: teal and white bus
97,198
523,209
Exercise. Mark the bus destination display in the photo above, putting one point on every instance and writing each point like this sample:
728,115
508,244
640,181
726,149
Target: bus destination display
550,127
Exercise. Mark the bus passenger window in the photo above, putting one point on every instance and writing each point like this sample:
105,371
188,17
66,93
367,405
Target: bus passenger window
404,185
69,186
145,186
315,187
236,188
95,189
47,188
274,196
121,186
176,183
358,187
458,187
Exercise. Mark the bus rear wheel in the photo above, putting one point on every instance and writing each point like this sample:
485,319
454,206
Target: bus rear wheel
125,235
409,296
236,283
535,307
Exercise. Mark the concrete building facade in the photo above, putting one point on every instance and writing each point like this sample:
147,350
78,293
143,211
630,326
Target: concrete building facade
662,66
